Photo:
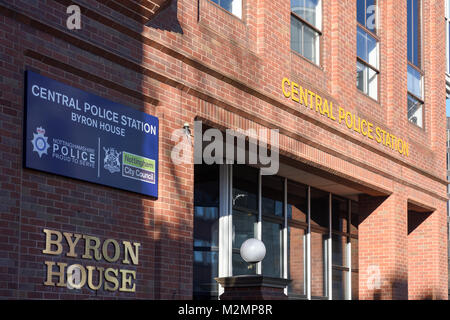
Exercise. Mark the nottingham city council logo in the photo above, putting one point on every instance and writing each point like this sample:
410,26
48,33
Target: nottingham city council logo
112,161
40,142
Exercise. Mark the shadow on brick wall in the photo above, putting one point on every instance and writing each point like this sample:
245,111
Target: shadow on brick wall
167,19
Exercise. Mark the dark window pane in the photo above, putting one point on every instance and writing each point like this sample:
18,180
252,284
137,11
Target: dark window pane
272,195
226,4
339,284
339,251
297,201
339,215
355,286
361,11
206,226
319,208
206,185
206,231
296,261
245,187
366,14
355,256
244,228
371,11
205,270
240,267
271,236
354,218
318,265
413,31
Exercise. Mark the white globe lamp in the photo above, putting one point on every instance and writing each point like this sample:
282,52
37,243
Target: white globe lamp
253,251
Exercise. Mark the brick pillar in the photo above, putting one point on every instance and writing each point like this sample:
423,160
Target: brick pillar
427,254
383,258
251,287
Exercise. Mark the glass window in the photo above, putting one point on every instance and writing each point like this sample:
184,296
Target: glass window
339,215
244,228
339,284
233,6
339,250
319,236
245,188
296,262
272,196
413,8
354,225
415,82
415,77
415,111
206,231
366,14
297,201
297,213
272,209
272,265
245,214
305,28
367,49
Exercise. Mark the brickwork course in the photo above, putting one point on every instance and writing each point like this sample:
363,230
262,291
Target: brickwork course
194,60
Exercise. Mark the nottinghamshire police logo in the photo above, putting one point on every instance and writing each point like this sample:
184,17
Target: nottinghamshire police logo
40,142
112,160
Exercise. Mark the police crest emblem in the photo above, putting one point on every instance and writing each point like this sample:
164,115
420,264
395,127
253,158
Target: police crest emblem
112,160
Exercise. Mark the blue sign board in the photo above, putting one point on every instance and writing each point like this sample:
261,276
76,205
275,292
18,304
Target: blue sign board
76,134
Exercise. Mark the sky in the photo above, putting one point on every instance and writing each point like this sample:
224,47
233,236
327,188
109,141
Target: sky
448,107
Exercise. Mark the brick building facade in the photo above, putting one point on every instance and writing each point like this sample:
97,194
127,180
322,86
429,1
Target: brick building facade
367,217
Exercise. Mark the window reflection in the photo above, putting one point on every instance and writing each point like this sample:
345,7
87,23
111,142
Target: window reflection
206,231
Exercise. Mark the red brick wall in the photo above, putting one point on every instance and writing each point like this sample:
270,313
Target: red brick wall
228,72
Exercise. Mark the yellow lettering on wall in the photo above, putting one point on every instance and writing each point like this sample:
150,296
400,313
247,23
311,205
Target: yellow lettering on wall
127,276
287,94
72,243
304,97
319,104
349,123
89,247
341,114
294,95
60,274
91,277
378,131
111,279
134,255
353,121
49,242
370,130
331,112
116,247
363,123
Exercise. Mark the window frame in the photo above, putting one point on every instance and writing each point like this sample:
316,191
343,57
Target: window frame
317,30
376,69
230,12
226,234
418,68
